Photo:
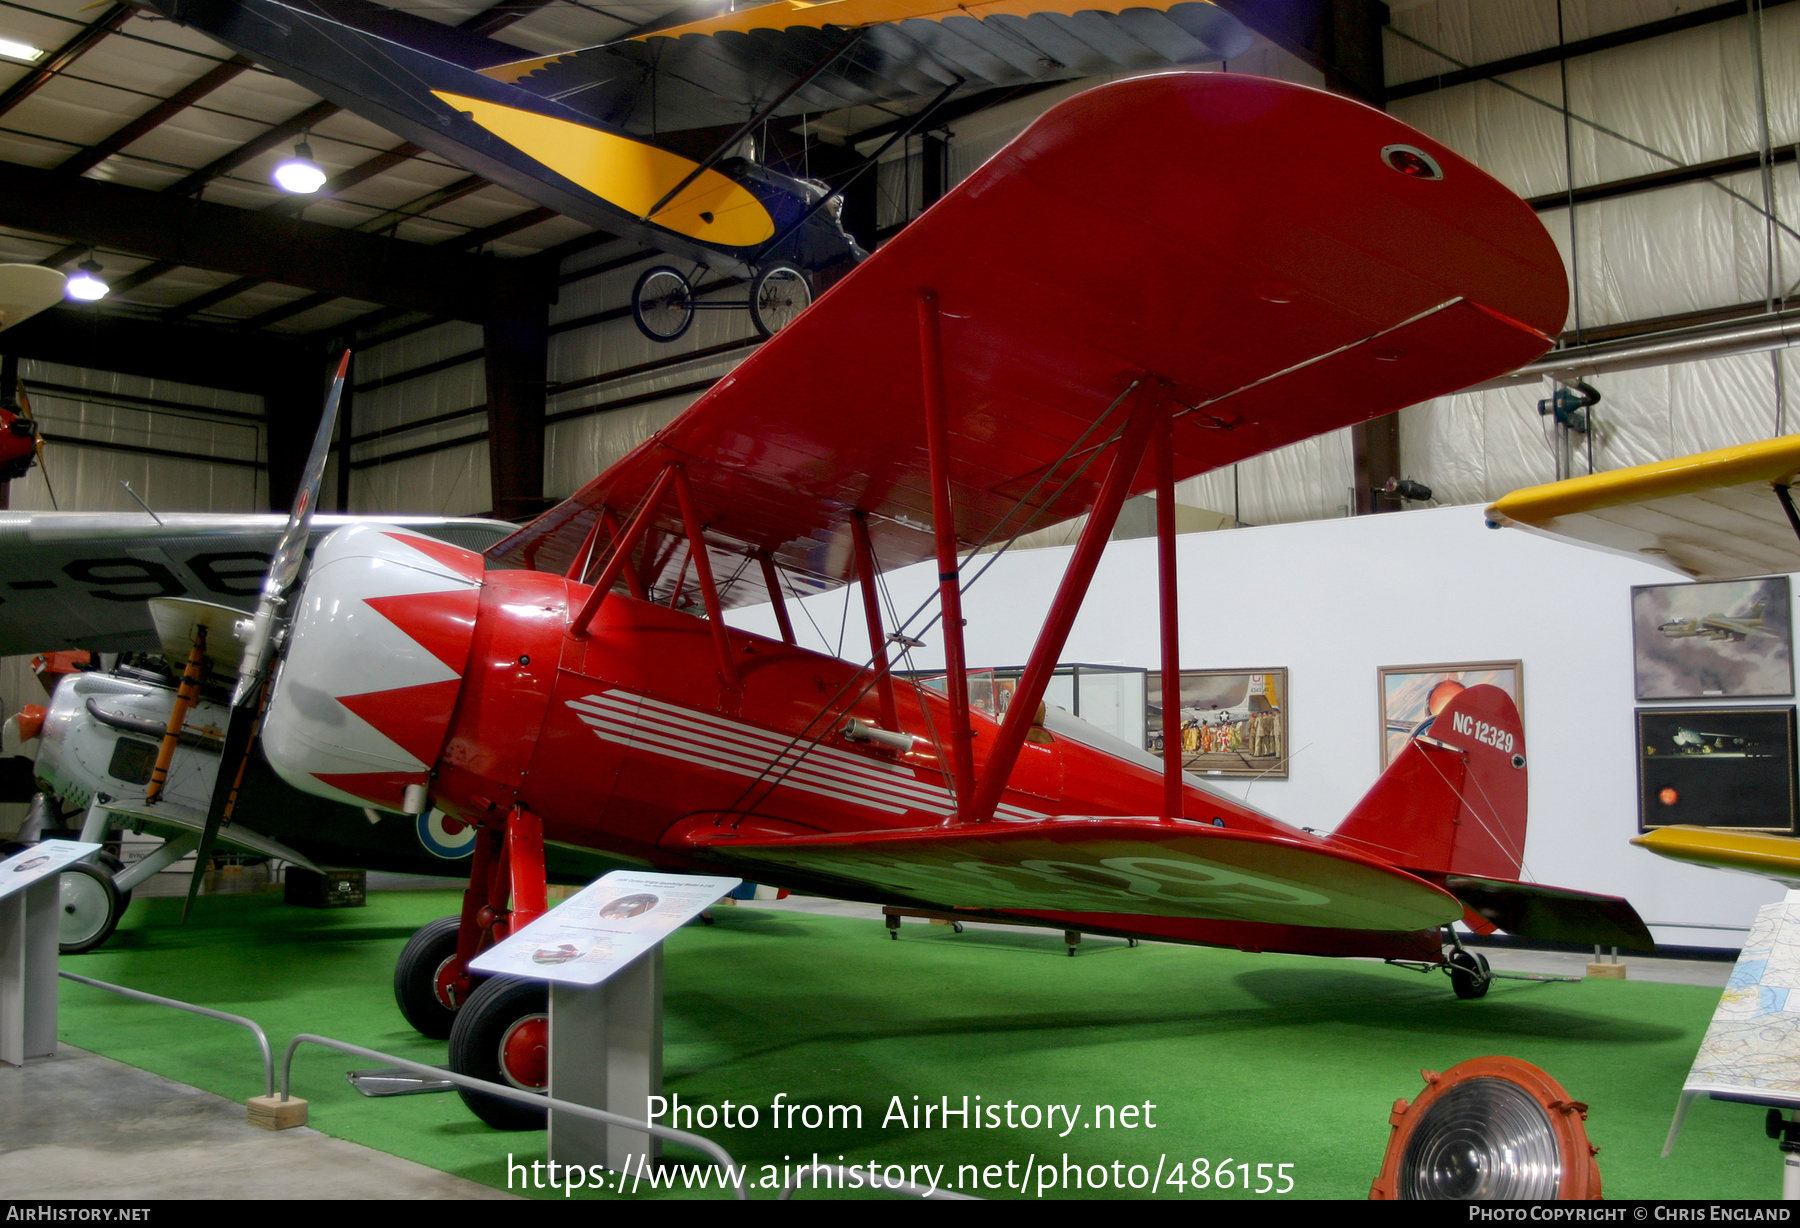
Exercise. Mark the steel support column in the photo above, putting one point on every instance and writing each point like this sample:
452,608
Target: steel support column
515,345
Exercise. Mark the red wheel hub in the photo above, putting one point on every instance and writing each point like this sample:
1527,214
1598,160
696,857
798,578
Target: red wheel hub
525,1053
450,985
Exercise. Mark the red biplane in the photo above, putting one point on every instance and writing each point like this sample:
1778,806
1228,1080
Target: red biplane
1160,276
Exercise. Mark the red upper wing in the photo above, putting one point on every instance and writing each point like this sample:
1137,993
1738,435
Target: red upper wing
1244,239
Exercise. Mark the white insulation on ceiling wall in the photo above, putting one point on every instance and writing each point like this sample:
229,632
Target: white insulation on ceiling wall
213,440
417,413
1670,101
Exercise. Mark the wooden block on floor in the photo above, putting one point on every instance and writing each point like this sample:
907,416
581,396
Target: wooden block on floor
274,1113
1613,971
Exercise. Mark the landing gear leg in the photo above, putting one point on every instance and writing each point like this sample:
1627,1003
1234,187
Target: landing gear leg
431,977
1469,975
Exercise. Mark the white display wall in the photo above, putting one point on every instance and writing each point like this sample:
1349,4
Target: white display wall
1332,601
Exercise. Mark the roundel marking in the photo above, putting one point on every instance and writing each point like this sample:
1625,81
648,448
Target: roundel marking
435,834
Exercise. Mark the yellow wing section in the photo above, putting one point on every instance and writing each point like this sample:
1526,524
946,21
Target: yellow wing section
1713,516
1776,857
854,14
628,173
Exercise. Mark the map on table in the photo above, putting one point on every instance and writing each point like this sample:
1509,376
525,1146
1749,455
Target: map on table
609,923
1752,1047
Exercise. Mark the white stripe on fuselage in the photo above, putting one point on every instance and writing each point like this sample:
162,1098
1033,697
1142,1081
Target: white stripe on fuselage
639,722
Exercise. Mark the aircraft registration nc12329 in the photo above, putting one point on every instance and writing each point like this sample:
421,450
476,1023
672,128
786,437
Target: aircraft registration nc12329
1158,277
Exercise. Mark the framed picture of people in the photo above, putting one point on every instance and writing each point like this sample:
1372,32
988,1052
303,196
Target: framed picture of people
1233,722
1724,639
1413,695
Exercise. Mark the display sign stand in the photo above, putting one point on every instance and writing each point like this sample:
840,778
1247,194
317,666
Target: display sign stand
606,1051
601,953
30,892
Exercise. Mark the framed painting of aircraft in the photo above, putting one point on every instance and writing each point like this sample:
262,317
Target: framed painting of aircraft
1233,722
1413,695
1726,639
1729,768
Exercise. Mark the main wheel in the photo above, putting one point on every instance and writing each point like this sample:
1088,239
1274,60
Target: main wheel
422,978
90,908
1469,974
662,303
779,293
502,1035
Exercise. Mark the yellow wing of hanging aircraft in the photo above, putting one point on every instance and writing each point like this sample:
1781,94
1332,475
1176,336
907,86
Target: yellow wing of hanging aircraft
1717,515
1720,515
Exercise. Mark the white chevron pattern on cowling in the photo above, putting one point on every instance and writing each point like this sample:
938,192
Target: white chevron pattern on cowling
639,722
351,649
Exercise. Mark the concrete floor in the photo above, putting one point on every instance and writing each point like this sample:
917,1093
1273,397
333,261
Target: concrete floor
79,1125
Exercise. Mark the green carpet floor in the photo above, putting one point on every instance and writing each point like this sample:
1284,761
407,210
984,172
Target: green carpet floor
1270,1059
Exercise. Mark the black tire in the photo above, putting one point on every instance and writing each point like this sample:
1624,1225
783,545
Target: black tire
416,978
114,867
778,294
662,303
89,907
486,1023
1469,974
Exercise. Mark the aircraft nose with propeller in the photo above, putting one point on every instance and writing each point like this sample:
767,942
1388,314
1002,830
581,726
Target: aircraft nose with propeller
1110,305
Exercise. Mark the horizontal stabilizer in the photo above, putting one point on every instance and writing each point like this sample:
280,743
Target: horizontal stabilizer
235,835
1115,865
1553,914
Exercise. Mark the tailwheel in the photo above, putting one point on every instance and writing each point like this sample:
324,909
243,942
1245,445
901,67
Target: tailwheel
1469,975
89,907
502,1035
426,977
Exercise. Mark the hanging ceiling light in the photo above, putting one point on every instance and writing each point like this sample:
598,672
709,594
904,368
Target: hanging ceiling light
300,174
1489,1128
86,285
13,49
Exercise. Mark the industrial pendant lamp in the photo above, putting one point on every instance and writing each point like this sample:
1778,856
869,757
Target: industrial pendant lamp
86,285
1489,1128
300,174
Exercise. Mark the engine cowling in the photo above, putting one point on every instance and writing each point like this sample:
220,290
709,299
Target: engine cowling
373,664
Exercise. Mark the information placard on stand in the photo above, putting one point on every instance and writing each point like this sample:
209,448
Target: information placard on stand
29,895
601,952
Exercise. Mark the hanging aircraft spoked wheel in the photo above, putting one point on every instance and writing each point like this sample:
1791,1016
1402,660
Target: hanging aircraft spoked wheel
88,910
502,1035
662,303
778,294
423,978
1469,976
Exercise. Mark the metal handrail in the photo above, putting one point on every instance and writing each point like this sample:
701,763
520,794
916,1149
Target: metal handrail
908,1188
140,995
706,1145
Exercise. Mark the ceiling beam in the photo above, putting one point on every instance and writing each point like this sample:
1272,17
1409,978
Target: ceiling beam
102,340
84,160
223,239
65,55
1568,51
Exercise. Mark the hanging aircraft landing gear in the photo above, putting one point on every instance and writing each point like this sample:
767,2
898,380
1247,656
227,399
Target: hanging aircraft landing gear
89,906
662,303
1469,975
502,1035
424,977
778,294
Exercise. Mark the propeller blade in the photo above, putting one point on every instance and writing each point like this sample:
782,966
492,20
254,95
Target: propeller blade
234,757
284,568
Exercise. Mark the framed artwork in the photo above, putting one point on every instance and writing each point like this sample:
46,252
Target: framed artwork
1726,639
1413,695
1233,722
1717,767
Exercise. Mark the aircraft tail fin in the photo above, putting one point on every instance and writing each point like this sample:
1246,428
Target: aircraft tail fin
1454,800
